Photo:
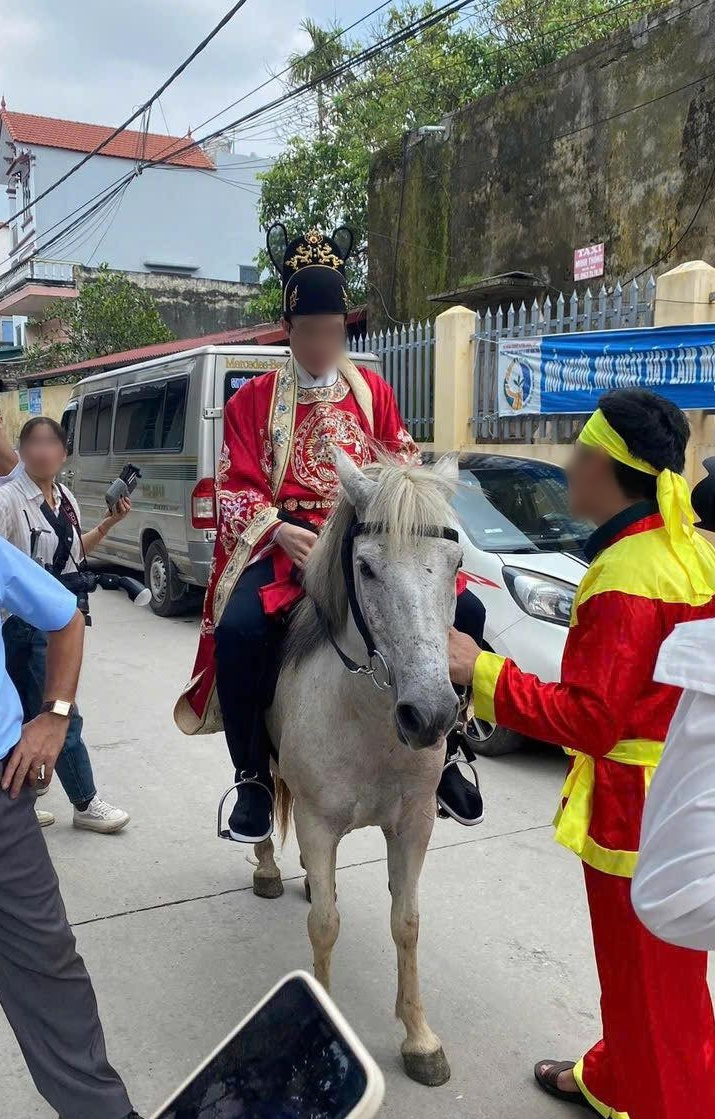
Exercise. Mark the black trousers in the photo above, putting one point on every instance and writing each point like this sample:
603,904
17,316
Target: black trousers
247,649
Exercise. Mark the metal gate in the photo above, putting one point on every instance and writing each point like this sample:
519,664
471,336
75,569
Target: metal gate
627,308
407,357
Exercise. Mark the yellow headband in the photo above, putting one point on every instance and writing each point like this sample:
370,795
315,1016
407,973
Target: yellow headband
673,496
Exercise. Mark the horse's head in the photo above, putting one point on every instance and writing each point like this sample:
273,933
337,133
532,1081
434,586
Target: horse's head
403,566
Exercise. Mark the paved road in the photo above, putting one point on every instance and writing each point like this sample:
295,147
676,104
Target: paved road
179,948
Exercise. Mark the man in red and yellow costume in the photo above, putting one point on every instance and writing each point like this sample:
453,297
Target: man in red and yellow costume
276,484
649,571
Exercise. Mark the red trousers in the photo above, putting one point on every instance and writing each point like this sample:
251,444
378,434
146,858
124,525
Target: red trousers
657,1056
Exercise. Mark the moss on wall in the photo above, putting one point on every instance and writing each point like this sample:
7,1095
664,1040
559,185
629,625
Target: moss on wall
597,147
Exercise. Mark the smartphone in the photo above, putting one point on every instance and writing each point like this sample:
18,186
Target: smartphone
293,1057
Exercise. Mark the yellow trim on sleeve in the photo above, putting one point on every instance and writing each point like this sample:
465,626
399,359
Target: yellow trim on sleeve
486,673
602,1108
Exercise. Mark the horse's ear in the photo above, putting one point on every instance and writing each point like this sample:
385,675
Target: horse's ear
276,244
357,486
447,468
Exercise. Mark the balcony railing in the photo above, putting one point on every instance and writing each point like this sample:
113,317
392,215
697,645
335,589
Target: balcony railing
37,271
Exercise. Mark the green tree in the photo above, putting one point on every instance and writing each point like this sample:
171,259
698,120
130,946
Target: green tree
328,50
109,315
321,177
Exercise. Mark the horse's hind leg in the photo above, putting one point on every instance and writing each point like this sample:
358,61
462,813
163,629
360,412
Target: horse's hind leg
318,848
422,1050
267,881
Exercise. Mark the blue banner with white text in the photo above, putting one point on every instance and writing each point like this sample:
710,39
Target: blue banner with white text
567,373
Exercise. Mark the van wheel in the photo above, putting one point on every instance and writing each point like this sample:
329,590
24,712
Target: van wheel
168,593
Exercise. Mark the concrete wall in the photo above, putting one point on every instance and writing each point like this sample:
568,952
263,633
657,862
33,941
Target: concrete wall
191,306
171,215
54,399
524,176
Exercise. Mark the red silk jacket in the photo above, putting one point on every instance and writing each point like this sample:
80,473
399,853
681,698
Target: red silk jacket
278,457
607,710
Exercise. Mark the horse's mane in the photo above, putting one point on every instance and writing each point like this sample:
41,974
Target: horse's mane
406,500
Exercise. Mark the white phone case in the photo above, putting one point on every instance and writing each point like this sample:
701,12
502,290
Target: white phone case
371,1101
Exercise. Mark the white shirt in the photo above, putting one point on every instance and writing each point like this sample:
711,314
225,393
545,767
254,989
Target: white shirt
306,381
674,884
20,512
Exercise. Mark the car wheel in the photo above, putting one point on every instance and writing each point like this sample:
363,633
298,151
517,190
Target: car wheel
168,593
490,740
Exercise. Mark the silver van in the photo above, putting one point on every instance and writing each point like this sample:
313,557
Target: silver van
166,417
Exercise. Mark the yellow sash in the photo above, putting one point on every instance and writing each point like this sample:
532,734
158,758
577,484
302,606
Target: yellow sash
573,819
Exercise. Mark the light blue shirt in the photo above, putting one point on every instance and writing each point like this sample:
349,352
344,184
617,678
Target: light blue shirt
38,598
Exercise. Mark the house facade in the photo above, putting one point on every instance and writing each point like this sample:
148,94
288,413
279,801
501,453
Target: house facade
189,217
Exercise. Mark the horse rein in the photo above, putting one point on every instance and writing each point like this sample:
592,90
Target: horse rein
375,659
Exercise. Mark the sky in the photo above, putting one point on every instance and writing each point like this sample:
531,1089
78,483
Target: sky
97,60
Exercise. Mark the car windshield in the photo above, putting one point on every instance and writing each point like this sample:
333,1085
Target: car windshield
518,507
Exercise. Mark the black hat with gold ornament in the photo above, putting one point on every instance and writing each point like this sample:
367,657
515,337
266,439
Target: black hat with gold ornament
312,270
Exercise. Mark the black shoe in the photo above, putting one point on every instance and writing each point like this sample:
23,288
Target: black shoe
459,797
251,820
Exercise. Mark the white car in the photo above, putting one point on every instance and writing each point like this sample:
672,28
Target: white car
523,555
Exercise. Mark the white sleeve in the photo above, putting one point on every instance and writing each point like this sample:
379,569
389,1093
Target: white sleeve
674,885
16,470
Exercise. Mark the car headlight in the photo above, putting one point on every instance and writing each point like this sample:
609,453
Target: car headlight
540,596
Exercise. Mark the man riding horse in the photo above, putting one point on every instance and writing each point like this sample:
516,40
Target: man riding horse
276,484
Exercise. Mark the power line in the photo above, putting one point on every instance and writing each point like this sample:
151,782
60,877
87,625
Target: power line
140,111
404,33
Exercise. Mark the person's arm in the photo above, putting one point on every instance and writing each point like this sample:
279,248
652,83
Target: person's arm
9,461
38,598
609,658
674,884
390,430
92,539
43,738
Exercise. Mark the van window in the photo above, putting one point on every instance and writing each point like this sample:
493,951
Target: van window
233,381
69,422
150,417
96,423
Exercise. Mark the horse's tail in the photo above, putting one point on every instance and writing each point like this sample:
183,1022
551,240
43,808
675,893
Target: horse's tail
284,807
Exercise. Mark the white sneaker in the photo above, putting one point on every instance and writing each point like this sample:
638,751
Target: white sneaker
41,789
44,819
100,816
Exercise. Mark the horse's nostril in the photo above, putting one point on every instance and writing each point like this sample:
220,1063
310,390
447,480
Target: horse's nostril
409,718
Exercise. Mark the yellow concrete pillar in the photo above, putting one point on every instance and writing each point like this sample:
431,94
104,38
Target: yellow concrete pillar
453,379
683,295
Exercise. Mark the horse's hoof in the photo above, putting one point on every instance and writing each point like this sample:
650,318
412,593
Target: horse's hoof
270,888
431,1069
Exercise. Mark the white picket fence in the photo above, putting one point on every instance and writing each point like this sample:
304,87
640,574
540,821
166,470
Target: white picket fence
407,356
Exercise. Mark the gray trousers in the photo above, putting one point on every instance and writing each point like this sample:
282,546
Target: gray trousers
45,990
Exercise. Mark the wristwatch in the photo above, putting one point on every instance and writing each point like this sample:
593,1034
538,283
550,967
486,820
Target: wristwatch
61,707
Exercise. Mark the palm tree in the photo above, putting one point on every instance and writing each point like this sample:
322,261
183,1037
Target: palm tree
327,52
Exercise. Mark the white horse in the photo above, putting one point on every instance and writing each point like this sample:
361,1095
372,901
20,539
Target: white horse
352,755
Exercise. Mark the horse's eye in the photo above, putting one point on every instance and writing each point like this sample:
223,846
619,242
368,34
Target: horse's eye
460,565
365,569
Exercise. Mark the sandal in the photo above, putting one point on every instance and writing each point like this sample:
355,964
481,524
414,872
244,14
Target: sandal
547,1074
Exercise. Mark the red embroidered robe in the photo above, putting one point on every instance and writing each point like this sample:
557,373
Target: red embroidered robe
277,456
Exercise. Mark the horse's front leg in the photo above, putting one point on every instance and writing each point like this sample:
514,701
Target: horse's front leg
318,848
406,848
267,881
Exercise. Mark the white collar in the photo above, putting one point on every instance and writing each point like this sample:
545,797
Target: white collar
306,381
30,489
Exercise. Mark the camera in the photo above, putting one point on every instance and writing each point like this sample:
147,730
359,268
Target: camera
83,582
122,486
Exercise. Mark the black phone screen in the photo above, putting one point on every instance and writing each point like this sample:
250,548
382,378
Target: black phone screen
288,1062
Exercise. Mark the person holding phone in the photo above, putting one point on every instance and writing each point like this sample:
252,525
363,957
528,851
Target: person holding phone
41,518
45,990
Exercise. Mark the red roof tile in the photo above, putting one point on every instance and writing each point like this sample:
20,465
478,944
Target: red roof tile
264,334
47,132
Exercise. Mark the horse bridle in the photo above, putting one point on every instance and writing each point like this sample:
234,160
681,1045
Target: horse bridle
375,658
